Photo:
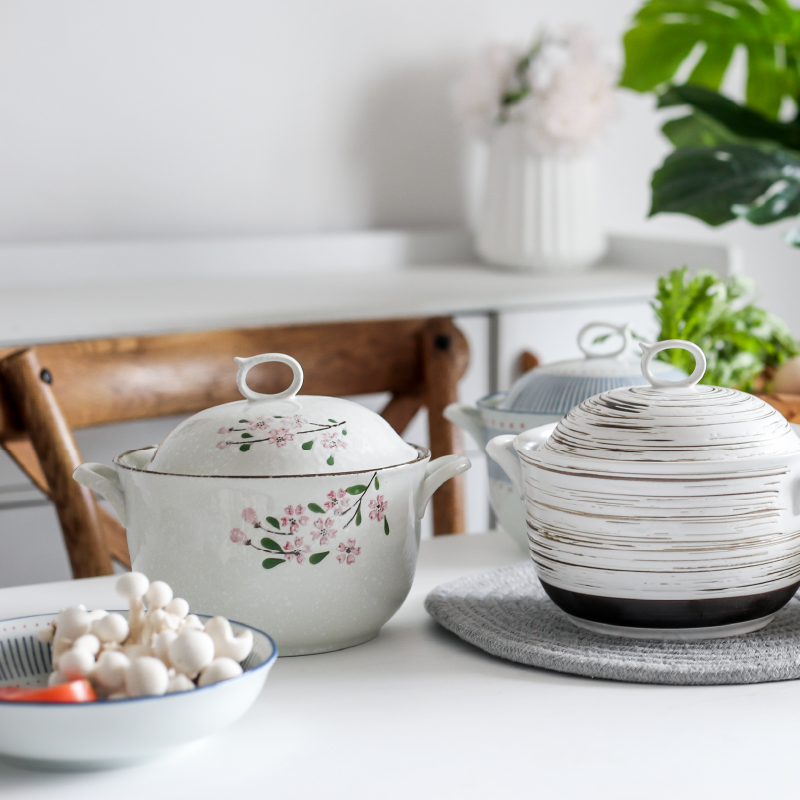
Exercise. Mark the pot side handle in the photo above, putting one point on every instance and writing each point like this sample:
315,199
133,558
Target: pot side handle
437,472
105,481
468,418
501,449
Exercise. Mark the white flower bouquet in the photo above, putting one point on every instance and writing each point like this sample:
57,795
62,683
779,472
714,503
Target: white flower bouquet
561,90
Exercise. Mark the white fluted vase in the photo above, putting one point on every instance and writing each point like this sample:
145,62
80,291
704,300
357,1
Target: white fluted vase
538,212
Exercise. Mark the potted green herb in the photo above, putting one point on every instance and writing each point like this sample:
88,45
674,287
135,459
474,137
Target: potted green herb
743,343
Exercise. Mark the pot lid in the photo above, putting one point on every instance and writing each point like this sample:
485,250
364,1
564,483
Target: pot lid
670,421
281,434
558,387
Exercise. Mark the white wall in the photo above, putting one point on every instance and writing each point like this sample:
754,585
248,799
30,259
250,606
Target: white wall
125,118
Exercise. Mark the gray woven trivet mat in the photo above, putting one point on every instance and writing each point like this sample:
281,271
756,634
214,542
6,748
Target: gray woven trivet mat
507,613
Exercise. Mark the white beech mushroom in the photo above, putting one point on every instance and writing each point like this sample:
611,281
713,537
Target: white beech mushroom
88,642
179,683
191,622
76,664
178,607
157,596
45,635
73,622
133,586
159,649
136,650
191,652
227,645
110,671
146,677
220,669
111,629
161,643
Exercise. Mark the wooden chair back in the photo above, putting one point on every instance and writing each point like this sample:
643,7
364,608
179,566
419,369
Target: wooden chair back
52,389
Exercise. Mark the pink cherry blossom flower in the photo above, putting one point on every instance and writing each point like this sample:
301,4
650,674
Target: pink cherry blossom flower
331,441
294,519
279,437
338,502
348,552
295,421
259,424
324,531
222,445
378,506
238,536
296,550
223,430
249,515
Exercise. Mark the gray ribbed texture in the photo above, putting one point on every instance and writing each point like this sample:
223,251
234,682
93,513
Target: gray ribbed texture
506,613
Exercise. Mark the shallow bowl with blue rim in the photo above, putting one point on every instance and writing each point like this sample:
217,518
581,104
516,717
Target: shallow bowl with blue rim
113,733
545,395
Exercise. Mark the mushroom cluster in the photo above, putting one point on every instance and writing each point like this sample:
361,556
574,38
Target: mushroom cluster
160,648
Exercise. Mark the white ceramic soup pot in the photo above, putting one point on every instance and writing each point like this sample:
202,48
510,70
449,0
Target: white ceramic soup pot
544,395
298,515
670,510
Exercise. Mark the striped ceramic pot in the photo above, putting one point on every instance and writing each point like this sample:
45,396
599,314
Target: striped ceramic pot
670,510
544,395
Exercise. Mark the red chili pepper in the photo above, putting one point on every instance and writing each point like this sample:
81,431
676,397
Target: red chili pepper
73,692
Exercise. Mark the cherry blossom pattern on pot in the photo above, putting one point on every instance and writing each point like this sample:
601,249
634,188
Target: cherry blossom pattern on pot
323,529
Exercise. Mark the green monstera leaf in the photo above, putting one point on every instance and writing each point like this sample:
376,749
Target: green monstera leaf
716,119
668,35
718,184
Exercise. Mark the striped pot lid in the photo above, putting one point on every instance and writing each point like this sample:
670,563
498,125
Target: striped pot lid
669,421
559,387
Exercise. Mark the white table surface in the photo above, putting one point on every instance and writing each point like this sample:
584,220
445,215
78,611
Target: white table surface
416,713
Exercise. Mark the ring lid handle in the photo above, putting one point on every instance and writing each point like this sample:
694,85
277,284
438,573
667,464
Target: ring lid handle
246,364
650,351
623,330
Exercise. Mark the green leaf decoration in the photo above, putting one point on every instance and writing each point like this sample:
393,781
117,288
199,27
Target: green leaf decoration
358,516
269,563
722,183
244,448
740,122
697,130
330,461
247,436
377,483
344,432
276,416
332,420
386,525
739,339
317,557
244,420
307,445
359,488
317,509
274,522
271,544
667,34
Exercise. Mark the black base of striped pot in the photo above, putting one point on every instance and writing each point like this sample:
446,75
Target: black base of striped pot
673,618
